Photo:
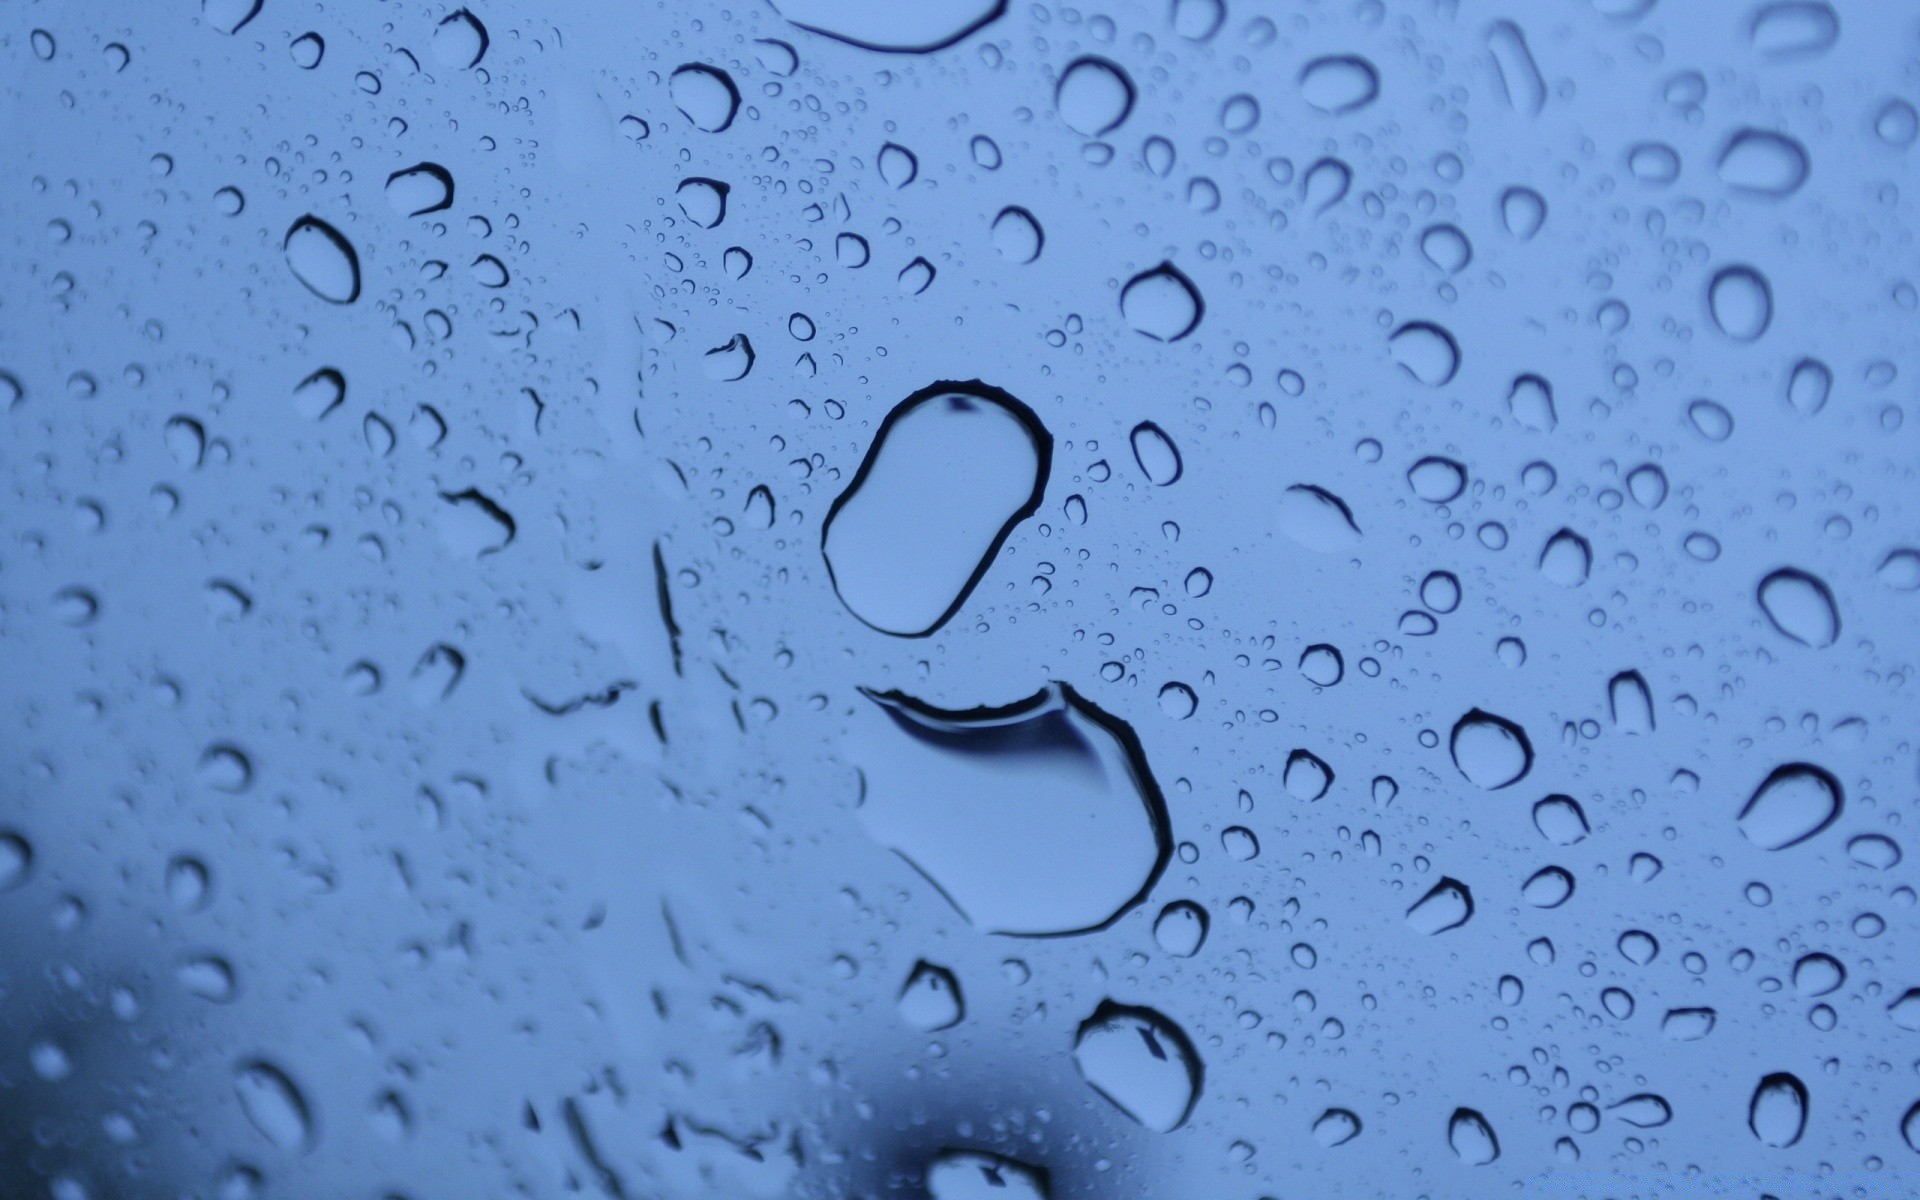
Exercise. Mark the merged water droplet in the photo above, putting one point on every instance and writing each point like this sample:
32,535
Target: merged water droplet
1038,817
953,468
1426,352
1792,803
705,95
1142,1062
1471,1138
1490,751
1094,96
1760,162
323,259
419,190
1777,1114
1448,904
275,1106
930,1000
1340,83
1800,606
1161,303
1740,300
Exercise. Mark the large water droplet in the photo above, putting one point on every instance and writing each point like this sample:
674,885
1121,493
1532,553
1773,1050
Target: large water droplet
323,260
1039,817
953,468
1762,163
1794,28
1800,606
1566,559
1447,905
419,190
1425,351
1437,480
705,95
1339,83
930,999
1161,303
1491,751
1778,1112
1471,1138
1792,804
1561,820
922,26
1093,96
1017,236
1317,519
1741,302
703,201
275,1106
1140,1061
977,1175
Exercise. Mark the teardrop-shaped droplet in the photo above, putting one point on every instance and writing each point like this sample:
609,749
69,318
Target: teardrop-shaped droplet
1530,400
1142,1062
952,470
1793,803
1161,303
1336,1127
1522,211
1777,1114
1306,776
323,260
1549,887
1800,606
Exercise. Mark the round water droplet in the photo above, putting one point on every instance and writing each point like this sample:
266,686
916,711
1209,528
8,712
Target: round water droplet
323,260
1239,843
953,468
1178,701
1306,777
1762,163
1638,947
930,1000
1818,975
1522,211
1740,300
1560,820
275,1106
703,201
1093,96
706,96
460,40
1325,184
1155,454
1161,303
1425,351
1471,1138
897,165
1437,480
419,190
1792,804
1566,559
307,50
1490,751
916,277
1655,164
208,978
1198,20
1017,236
1322,665
1900,570
1140,1061
226,769
1800,606
1777,1114
1446,248
1340,83
1897,124
1181,928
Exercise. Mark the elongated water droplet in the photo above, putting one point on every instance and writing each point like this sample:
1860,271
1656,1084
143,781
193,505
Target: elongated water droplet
1688,1024
916,28
1339,83
1644,1111
323,260
952,470
1809,385
1794,28
1792,803
1740,300
1800,606
419,190
16,859
1038,817
1317,519
1447,905
1630,703
1336,1127
275,1106
229,16
1762,163
1140,1061
977,1175
1519,76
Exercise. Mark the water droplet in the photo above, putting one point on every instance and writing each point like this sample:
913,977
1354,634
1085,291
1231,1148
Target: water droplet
1900,570
1800,607
1818,975
1655,164
704,201
1471,1138
1317,519
1161,303
706,96
916,277
1794,28
1522,212
1093,97
1905,1012
1322,665
1688,1024
1630,703
1425,351
225,768
1199,582
1325,184
1647,484
1778,1112
1339,83
1644,1111
1910,1127
923,26
1809,386
1519,76
189,884
1447,905
1874,850
1740,300
323,260
1178,701
1446,248
1306,777
850,250
229,16
1792,804
275,1106
730,361
1239,843
419,190
1762,163
460,40
16,860
1897,124
953,468
307,50
1038,817
897,165
1566,559
1530,400
1437,480
1017,236
1549,887
208,978
1638,947
1198,20
1140,1061
1491,751
1710,420
1561,820
1336,1127
975,1174
930,999
1181,928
